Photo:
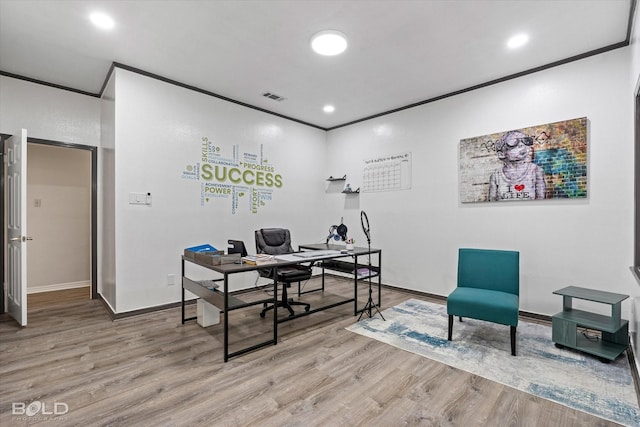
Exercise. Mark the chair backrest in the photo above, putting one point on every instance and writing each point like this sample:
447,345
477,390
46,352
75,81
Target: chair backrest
489,269
273,241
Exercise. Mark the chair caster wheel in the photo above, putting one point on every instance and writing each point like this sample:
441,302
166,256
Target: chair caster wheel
307,308
262,314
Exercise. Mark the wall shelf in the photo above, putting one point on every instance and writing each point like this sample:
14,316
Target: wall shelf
356,191
347,189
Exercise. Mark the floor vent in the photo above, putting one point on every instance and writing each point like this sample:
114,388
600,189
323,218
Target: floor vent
273,96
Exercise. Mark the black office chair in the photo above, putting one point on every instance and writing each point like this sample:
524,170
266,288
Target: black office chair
277,241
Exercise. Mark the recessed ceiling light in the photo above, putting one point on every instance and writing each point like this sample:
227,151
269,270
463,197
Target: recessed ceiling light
329,42
328,109
517,41
101,20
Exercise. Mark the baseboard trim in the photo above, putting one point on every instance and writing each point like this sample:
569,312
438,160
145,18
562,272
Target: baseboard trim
58,287
440,298
116,316
633,362
106,306
443,299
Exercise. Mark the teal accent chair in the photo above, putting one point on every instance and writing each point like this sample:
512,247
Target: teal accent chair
488,288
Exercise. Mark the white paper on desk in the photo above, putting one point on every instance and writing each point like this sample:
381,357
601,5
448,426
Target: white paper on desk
308,255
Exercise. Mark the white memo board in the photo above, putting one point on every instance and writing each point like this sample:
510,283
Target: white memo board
387,173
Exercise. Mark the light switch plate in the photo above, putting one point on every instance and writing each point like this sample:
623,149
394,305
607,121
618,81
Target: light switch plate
139,198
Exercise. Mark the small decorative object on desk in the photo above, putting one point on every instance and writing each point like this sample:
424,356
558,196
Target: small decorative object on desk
349,190
350,243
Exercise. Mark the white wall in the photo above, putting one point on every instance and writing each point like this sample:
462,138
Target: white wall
574,242
51,114
107,209
48,113
59,254
159,131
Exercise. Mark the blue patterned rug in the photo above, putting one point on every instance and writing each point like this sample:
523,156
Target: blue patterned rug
564,376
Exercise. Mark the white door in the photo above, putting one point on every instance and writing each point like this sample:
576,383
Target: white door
17,226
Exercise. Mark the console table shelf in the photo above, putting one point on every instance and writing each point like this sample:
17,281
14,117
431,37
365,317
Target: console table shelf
614,330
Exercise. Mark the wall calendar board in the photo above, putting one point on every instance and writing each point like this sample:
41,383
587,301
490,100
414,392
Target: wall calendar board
387,173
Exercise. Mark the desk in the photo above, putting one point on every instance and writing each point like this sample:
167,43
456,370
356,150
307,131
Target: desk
226,302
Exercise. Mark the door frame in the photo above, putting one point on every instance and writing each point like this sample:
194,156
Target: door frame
94,210
636,196
3,138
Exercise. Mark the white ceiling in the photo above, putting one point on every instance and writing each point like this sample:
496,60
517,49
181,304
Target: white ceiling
400,52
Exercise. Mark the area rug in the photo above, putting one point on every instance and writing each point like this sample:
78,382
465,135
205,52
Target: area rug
564,376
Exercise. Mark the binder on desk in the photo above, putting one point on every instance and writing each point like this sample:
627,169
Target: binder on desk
259,259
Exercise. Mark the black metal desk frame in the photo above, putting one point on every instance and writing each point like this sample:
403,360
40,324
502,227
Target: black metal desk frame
349,268
227,303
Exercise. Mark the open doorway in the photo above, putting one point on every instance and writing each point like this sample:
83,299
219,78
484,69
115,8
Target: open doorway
59,218
61,211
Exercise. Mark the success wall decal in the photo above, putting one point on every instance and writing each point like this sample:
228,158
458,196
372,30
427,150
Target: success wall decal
247,179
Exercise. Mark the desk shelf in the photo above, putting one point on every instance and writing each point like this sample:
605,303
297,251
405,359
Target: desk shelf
614,330
348,268
214,296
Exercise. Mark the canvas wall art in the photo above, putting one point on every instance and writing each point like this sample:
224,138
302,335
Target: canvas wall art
535,163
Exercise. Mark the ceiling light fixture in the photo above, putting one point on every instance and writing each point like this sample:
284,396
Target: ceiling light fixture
517,41
101,20
328,109
329,42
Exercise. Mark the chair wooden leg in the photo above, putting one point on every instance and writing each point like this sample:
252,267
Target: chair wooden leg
450,326
513,340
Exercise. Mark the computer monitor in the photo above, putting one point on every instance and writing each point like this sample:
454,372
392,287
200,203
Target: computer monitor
236,247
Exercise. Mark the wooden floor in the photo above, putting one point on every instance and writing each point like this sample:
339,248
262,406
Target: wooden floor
150,370
49,299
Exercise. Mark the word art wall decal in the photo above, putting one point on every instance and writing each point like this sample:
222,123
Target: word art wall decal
247,179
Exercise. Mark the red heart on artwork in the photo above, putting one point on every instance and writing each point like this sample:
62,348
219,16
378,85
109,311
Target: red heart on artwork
519,187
